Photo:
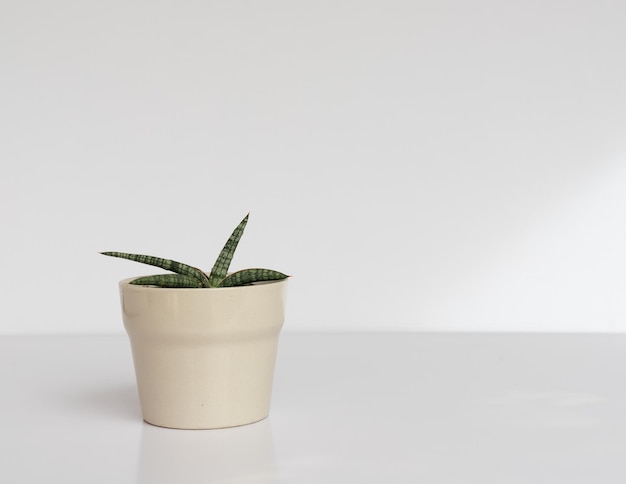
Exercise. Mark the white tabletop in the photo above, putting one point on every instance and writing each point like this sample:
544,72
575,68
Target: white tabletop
362,408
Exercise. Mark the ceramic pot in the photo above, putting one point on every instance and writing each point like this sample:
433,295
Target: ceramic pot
204,358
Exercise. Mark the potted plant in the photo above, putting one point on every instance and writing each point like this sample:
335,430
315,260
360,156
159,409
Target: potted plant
203,344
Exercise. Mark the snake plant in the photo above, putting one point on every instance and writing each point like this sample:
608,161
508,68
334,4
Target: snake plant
183,275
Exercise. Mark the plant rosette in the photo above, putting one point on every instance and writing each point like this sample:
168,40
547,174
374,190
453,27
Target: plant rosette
204,352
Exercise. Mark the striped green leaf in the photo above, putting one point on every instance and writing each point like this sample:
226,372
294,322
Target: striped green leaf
248,276
167,280
220,268
170,265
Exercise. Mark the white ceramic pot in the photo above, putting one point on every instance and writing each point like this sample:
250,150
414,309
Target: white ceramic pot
204,358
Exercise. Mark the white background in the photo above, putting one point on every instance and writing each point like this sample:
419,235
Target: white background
415,165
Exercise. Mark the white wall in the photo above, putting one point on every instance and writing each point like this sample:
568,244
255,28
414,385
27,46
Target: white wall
416,165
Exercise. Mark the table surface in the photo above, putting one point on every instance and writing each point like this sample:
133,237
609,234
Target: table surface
362,408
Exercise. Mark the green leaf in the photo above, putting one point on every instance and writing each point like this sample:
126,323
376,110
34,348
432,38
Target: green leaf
220,268
248,276
170,265
167,280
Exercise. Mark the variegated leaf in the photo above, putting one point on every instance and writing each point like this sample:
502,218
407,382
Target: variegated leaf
167,264
248,276
167,280
220,268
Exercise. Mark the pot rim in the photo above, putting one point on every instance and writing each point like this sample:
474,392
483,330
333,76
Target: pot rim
125,283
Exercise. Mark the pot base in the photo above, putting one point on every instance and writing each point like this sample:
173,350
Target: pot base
205,428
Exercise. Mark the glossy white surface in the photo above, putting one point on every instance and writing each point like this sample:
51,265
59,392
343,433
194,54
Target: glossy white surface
366,408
